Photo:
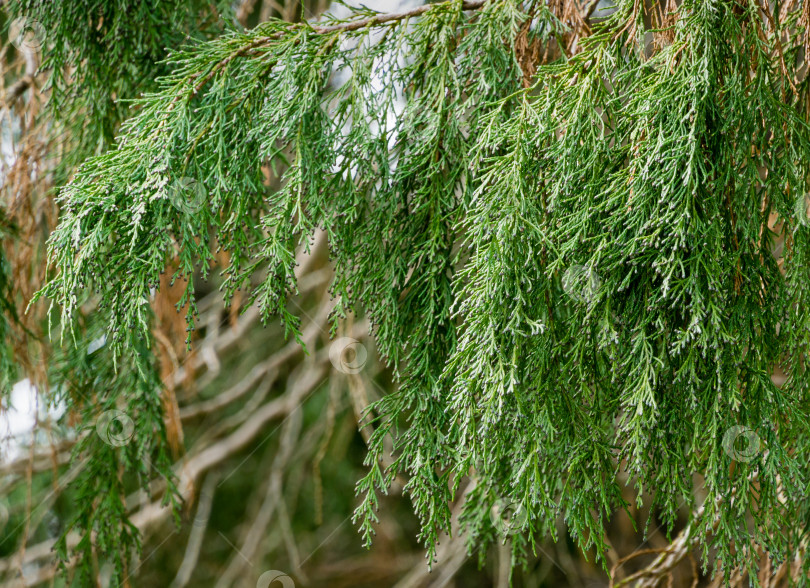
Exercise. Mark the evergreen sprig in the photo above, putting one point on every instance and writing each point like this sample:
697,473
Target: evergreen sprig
98,55
571,280
121,439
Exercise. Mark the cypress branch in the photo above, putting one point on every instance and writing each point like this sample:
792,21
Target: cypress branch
579,266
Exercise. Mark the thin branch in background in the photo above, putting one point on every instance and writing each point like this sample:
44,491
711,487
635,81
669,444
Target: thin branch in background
329,425
197,534
272,501
244,10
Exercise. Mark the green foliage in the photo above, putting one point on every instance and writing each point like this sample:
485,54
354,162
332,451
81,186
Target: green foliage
8,313
97,56
662,182
463,211
132,438
100,54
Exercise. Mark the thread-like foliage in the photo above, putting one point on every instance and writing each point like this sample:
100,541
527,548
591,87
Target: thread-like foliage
591,274
92,385
98,55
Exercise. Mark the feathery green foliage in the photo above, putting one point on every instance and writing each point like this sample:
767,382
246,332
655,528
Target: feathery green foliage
572,280
101,54
129,392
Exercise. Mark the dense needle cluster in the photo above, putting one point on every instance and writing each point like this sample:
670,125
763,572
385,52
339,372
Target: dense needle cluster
582,268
